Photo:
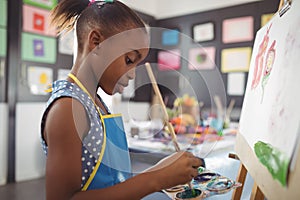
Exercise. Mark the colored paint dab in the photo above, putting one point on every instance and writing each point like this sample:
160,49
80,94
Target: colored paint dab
191,194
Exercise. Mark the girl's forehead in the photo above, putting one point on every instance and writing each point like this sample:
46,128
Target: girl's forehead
132,39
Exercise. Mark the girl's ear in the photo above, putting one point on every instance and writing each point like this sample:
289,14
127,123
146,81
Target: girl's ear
95,38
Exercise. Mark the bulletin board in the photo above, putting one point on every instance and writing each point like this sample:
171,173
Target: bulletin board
205,29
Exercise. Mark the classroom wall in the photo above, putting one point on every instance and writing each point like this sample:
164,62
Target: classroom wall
200,79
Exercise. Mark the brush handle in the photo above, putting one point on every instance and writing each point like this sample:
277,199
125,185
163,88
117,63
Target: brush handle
166,117
229,109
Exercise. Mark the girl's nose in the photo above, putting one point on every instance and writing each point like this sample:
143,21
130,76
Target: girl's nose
131,73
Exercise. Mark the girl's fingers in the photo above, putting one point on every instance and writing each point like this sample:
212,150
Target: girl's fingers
194,172
196,162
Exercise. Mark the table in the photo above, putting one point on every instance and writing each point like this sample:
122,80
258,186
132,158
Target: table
214,153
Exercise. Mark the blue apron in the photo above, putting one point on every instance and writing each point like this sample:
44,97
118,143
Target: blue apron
113,165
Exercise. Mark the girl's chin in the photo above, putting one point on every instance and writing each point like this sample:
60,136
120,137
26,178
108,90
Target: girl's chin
118,89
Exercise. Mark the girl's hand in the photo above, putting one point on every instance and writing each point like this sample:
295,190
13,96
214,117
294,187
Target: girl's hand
178,168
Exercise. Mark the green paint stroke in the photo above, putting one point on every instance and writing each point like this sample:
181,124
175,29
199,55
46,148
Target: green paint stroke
276,161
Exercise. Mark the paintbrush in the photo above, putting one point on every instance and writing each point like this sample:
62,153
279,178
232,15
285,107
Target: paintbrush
166,117
160,99
229,109
219,106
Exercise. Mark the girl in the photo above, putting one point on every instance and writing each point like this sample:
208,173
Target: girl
87,153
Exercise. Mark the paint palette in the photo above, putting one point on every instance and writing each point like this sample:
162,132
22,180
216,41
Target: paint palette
205,176
208,182
220,185
189,194
178,188
212,183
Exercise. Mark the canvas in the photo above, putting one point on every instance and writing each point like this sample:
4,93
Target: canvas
270,120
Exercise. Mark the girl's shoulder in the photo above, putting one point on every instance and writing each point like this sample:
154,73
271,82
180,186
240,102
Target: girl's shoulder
64,88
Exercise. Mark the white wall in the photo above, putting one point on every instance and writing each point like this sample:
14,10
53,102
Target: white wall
130,110
3,142
161,9
30,158
170,8
147,7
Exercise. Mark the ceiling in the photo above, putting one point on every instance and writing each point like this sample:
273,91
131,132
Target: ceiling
161,9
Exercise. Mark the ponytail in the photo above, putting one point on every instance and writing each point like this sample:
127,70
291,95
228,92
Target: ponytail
66,13
109,16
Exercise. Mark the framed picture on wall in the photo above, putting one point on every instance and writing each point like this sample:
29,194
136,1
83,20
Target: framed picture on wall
39,78
66,43
170,37
62,73
203,32
37,20
3,41
169,60
45,4
38,48
3,13
238,29
202,58
236,59
266,18
236,83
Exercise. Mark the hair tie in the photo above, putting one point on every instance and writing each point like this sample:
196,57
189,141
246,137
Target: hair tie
105,1
91,2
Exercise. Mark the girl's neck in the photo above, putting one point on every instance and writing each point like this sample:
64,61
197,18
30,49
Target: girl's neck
85,75
88,80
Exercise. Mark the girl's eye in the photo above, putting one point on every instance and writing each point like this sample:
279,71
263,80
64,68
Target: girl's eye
128,60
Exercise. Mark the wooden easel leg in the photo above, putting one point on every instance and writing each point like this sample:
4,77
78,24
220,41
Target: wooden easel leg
256,193
237,193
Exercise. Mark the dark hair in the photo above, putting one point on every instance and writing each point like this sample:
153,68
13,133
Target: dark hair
109,18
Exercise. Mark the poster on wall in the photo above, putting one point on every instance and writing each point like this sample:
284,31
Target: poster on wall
170,37
66,43
203,32
270,119
45,4
62,74
36,20
169,60
202,58
235,59
39,78
3,13
38,48
266,18
238,29
236,83
3,41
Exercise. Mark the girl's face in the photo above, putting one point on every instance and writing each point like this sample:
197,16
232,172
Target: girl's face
117,75
114,60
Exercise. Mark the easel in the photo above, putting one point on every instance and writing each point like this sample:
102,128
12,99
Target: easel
264,184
